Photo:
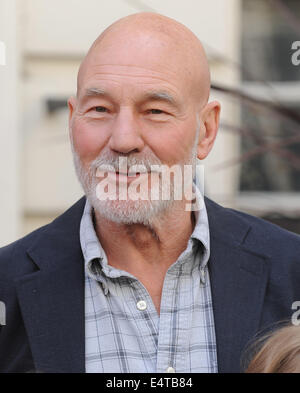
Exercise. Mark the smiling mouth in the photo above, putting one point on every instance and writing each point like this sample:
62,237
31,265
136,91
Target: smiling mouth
122,176
130,174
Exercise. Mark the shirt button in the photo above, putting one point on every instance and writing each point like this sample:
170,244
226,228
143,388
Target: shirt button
141,305
170,370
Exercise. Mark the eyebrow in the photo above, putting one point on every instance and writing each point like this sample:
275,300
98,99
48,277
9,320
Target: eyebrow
162,95
94,92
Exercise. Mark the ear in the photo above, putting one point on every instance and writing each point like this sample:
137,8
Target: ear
209,124
71,106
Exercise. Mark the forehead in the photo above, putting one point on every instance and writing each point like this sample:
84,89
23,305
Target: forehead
136,62
119,82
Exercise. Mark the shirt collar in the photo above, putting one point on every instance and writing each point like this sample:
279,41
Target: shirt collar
92,249
201,229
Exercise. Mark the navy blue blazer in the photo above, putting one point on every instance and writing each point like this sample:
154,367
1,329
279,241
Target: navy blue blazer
254,272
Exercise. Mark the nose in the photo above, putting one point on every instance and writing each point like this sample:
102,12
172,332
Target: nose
126,133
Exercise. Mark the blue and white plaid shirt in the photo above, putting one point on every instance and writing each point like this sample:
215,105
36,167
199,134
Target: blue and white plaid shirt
123,331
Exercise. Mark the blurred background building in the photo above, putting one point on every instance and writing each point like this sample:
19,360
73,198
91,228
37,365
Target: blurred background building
255,165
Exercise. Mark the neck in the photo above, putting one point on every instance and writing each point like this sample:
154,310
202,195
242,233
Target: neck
137,248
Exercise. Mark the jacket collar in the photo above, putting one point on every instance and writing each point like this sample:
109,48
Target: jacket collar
52,298
238,277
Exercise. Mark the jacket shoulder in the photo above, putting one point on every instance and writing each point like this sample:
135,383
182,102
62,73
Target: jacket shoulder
278,249
267,230
261,235
13,253
14,260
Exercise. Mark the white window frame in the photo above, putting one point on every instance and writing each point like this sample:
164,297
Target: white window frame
264,202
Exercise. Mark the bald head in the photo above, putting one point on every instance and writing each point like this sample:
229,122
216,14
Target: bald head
156,40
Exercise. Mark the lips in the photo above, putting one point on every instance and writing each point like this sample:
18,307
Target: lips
124,177
102,173
120,176
129,174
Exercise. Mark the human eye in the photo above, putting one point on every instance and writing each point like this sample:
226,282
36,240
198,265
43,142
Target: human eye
155,111
98,112
157,114
100,109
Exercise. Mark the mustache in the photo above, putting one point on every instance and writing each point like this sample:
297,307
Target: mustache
108,161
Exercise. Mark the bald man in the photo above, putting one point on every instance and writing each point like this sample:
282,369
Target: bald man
143,274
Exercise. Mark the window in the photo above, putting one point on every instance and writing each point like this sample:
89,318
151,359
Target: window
270,119
271,141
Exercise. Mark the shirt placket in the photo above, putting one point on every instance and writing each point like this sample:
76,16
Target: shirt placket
171,320
147,321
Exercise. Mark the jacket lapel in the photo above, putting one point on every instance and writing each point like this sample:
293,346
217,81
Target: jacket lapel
52,298
238,281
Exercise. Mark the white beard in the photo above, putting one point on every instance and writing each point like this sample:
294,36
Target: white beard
128,211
